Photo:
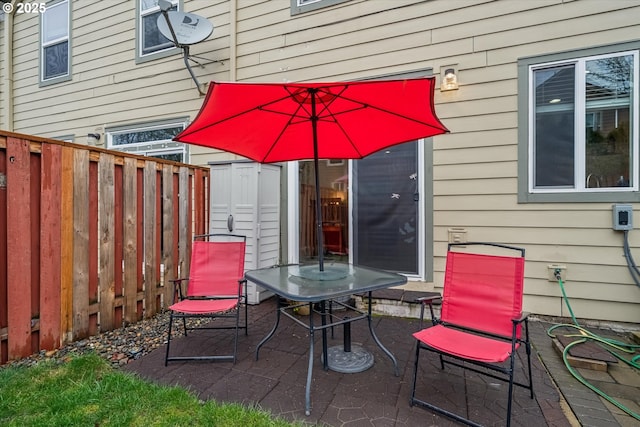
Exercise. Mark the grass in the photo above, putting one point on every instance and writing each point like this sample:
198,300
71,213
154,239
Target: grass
87,391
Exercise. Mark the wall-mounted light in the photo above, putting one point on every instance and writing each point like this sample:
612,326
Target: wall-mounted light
93,138
449,80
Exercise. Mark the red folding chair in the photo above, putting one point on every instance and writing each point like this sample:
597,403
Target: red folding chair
215,290
480,325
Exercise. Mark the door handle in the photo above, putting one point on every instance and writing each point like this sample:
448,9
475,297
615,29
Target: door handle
230,223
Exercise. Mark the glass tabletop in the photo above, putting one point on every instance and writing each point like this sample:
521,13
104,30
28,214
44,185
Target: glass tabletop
296,283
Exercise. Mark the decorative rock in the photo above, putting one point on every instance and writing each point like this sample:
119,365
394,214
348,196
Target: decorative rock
119,346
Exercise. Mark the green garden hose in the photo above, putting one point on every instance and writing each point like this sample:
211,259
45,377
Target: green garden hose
607,344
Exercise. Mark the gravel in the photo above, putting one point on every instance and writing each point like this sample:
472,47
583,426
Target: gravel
119,346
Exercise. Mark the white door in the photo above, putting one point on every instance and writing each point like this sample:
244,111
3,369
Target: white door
245,200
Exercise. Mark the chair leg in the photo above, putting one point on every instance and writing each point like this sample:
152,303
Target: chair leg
528,349
166,357
246,318
184,324
415,373
510,396
237,332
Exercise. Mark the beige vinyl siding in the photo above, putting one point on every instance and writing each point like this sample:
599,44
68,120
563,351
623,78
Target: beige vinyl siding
106,83
475,167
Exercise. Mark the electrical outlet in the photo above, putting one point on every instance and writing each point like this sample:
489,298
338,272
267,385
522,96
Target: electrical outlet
551,269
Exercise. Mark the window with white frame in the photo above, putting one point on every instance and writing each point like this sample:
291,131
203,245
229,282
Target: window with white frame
154,140
302,6
150,43
55,59
582,125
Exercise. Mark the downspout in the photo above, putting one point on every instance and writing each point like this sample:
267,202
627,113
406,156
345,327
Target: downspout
7,82
233,30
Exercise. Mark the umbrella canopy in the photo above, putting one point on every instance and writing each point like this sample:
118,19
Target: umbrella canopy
276,122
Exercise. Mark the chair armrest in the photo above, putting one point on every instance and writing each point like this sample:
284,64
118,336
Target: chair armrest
523,316
243,295
429,299
177,288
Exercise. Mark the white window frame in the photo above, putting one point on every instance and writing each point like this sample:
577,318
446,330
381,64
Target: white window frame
153,148
580,126
142,57
44,81
303,6
526,120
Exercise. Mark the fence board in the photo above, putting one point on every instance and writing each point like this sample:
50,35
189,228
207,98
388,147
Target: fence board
18,248
93,297
140,239
81,248
184,242
34,243
106,221
118,242
167,232
50,254
175,248
200,198
3,256
67,244
150,276
158,240
131,266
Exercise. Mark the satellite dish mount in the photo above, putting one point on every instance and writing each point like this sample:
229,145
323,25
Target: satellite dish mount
184,29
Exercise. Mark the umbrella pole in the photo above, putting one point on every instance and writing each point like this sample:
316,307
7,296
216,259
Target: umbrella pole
314,127
319,220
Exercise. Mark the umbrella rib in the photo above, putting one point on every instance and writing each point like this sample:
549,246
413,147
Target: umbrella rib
384,110
259,107
284,128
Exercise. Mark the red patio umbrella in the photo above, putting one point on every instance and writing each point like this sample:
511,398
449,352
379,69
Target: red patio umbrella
276,122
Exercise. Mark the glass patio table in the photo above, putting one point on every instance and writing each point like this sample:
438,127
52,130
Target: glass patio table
308,286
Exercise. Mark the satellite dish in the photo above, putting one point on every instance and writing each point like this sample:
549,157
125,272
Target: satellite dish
188,28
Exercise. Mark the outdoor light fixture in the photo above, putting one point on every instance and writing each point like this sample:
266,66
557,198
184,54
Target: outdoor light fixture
449,80
93,138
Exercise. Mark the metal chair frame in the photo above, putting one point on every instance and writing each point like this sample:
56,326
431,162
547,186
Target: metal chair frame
507,372
234,313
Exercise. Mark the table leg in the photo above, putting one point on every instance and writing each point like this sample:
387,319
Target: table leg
307,395
273,330
377,340
323,316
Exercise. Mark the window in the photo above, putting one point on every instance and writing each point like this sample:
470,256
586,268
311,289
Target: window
154,140
582,127
302,6
151,44
55,59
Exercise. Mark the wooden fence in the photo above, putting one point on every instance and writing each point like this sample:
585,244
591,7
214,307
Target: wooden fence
89,239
